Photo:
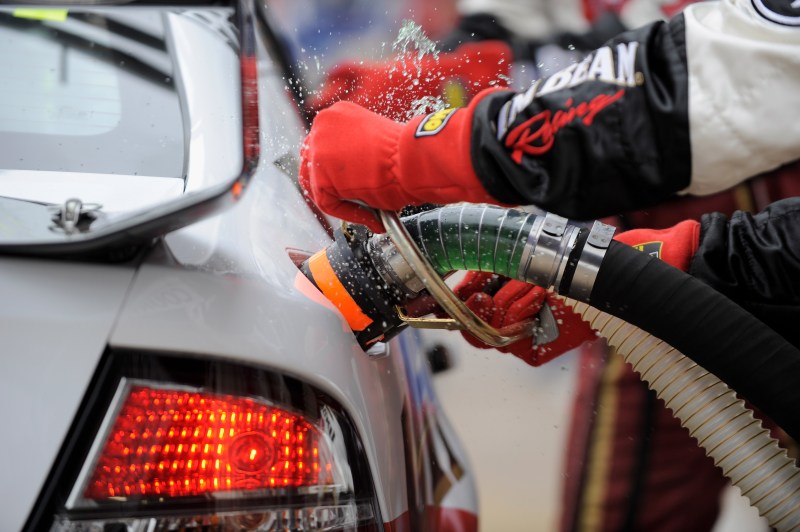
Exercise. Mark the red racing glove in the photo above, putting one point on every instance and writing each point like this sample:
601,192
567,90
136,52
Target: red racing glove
354,157
675,245
393,88
517,301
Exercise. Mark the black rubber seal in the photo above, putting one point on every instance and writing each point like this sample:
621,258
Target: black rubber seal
705,326
572,262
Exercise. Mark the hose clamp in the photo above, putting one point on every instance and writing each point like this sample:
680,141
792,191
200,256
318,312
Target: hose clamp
590,259
546,251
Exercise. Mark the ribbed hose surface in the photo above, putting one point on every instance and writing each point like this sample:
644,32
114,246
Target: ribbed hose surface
714,416
482,238
472,237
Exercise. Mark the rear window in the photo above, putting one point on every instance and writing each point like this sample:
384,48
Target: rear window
89,93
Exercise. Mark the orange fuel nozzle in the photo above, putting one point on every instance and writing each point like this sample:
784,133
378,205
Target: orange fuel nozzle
348,277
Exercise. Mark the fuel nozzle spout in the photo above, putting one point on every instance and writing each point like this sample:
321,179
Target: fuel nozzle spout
366,279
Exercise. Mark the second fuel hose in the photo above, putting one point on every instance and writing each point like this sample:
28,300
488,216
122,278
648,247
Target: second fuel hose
681,336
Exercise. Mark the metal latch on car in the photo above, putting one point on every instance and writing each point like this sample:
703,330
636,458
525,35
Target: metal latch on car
74,215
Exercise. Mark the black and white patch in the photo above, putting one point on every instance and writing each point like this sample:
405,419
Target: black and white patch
786,12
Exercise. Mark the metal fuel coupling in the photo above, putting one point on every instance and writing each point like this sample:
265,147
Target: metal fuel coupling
549,244
393,268
563,256
591,257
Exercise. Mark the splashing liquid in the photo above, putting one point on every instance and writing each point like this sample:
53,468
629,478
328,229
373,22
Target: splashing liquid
410,38
410,49
412,43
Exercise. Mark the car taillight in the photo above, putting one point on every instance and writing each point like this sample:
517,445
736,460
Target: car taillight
222,447
168,443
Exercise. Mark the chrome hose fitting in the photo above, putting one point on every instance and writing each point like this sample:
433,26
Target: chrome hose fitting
565,257
549,245
591,257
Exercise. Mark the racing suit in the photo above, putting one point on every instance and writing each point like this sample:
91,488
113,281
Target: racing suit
616,131
629,464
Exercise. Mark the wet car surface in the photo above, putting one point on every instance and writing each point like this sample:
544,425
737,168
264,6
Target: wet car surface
169,365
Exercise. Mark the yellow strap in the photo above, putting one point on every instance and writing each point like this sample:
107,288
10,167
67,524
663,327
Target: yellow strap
56,15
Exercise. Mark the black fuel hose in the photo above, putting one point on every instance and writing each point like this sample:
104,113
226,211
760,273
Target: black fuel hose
704,325
684,312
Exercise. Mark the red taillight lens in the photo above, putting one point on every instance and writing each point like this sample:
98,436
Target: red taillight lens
177,443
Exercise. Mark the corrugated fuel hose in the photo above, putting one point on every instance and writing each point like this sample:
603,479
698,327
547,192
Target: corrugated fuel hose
713,414
644,307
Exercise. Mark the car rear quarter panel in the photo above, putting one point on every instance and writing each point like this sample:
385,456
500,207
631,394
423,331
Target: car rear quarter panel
55,318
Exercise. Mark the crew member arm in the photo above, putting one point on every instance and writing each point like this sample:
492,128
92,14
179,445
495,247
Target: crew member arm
693,105
755,260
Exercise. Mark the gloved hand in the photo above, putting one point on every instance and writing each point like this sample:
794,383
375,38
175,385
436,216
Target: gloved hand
353,157
391,88
516,301
674,245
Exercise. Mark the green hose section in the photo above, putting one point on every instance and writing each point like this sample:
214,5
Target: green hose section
472,237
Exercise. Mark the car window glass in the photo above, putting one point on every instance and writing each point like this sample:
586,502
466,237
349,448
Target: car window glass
93,93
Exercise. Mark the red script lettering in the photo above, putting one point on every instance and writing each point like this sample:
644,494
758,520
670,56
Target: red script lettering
536,135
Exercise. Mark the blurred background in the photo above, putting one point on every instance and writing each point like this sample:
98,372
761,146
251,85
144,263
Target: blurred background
326,32
511,418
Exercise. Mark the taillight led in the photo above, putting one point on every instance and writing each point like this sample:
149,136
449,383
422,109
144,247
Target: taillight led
168,443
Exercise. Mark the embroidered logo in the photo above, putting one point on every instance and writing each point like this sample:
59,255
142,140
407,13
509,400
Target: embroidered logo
435,122
536,135
455,93
650,248
614,65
